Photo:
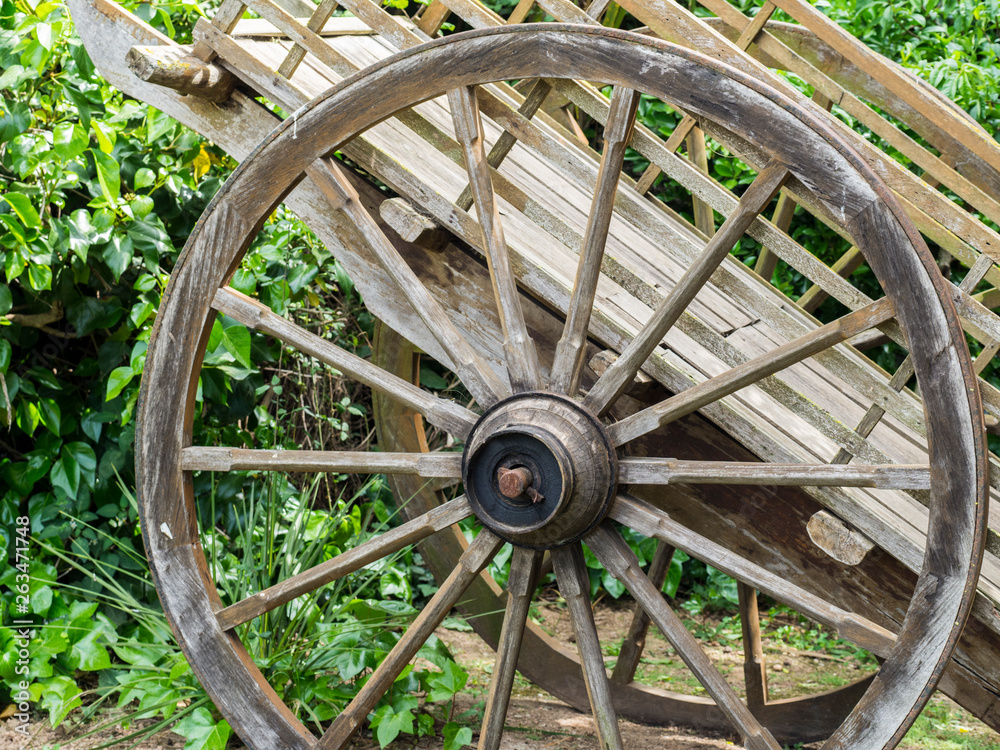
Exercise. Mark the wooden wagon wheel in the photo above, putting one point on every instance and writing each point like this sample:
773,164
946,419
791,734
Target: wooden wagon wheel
541,468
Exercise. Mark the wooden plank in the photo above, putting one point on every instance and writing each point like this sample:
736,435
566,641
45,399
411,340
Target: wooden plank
260,28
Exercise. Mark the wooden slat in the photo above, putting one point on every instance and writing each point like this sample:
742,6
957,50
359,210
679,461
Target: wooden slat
754,671
521,582
568,359
649,521
750,372
574,585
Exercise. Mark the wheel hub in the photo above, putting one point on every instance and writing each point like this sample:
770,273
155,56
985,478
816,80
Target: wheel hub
539,470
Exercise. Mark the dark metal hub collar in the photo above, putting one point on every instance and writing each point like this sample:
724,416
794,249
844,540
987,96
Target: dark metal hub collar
539,470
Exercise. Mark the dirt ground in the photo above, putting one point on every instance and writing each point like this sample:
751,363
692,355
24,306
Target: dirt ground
536,720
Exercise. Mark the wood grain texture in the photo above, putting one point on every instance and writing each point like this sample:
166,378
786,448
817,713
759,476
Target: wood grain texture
621,562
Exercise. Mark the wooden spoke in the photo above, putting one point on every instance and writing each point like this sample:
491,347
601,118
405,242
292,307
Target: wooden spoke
445,414
905,370
648,520
672,471
524,570
522,358
574,585
480,551
754,672
345,563
635,640
749,372
617,377
473,370
568,361
622,563
536,97
432,465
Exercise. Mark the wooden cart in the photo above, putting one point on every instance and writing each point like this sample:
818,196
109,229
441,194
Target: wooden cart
625,368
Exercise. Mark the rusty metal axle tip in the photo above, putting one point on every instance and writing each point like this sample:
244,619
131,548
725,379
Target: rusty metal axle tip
514,482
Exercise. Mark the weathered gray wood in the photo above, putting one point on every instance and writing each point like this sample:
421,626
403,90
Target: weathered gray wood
651,522
411,225
354,559
574,585
536,96
476,557
205,458
173,67
521,583
750,372
521,357
253,314
754,671
673,471
469,365
635,639
568,360
837,539
619,374
621,562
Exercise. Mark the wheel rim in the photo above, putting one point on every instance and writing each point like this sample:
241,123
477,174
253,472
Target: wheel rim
223,234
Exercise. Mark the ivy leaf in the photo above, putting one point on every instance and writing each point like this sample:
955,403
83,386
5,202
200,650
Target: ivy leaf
202,731
236,339
443,685
144,177
40,277
456,736
15,117
51,415
106,136
87,654
14,263
58,695
389,723
24,210
118,255
65,474
157,124
69,140
108,175
85,458
117,380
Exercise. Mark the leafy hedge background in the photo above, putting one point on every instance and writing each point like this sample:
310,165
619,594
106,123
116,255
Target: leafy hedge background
97,195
